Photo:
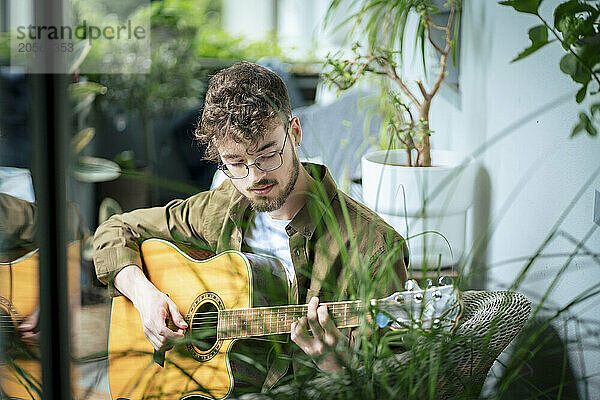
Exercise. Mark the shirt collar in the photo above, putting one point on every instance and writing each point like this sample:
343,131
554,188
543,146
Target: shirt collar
323,192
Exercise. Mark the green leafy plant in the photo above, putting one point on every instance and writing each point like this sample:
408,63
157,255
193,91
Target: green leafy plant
384,24
188,44
576,26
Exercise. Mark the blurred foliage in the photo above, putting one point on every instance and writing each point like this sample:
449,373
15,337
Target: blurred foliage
576,26
216,43
183,35
4,48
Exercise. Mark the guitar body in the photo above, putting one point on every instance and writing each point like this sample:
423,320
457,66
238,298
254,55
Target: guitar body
230,280
20,371
19,296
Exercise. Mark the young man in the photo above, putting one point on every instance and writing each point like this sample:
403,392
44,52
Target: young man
272,204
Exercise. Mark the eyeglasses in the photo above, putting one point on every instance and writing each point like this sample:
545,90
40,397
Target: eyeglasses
266,162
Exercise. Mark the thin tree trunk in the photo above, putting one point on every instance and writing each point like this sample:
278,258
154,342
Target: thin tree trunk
424,150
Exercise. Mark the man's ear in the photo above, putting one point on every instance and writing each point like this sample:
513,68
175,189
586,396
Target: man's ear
296,131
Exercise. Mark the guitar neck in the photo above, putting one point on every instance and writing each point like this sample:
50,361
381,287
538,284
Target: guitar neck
261,321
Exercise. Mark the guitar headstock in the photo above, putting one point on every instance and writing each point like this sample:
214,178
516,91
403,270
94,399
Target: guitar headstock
432,307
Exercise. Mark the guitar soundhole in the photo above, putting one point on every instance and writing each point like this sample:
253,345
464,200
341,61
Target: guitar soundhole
204,322
205,326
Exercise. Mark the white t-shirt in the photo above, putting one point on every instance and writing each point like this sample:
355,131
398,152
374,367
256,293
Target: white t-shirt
266,235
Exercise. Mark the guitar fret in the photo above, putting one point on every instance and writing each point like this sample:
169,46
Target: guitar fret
219,323
248,322
236,317
345,313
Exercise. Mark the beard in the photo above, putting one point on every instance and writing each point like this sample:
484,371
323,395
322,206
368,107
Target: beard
267,204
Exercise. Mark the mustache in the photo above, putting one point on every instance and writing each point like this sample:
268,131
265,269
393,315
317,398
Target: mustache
262,184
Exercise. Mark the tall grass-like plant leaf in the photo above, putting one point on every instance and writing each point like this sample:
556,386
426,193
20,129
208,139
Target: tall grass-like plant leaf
455,34
376,19
421,39
401,34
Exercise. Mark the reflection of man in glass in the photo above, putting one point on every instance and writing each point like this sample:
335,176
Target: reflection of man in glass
272,204
17,235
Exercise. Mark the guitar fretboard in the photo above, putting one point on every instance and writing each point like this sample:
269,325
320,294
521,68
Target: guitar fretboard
247,322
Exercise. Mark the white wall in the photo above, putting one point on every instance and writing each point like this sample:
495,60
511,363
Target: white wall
535,170
251,19
298,23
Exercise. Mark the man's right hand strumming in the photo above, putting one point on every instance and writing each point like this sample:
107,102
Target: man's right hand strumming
155,307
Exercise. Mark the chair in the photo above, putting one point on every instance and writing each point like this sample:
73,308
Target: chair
449,367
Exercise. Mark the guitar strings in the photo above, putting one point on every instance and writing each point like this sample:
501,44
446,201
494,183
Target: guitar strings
341,307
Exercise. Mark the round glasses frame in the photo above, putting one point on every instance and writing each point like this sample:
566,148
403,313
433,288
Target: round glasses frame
227,171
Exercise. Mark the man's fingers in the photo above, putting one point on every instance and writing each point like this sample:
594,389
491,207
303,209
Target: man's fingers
312,318
153,339
176,316
158,333
30,338
168,333
331,332
31,322
299,334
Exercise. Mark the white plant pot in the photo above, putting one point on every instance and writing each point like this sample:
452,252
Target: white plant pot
418,199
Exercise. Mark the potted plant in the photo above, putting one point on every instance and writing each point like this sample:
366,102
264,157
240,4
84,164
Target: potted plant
415,188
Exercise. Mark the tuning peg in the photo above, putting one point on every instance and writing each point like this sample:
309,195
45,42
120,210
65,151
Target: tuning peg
429,283
411,285
446,281
382,320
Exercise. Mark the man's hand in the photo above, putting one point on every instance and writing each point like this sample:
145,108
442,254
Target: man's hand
155,307
30,334
325,339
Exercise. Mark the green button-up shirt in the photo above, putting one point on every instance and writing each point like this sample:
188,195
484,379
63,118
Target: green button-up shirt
333,240
331,233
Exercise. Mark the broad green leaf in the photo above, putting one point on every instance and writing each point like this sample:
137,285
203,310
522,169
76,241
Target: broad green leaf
81,139
591,129
584,124
581,94
570,9
525,6
577,129
588,49
539,38
595,109
108,208
570,65
80,90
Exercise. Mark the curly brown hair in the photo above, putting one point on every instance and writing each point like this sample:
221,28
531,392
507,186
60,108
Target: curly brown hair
242,102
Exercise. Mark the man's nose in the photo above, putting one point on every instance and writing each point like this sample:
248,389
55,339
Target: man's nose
255,174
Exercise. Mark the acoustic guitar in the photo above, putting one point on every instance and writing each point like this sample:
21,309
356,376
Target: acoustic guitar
20,370
225,298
